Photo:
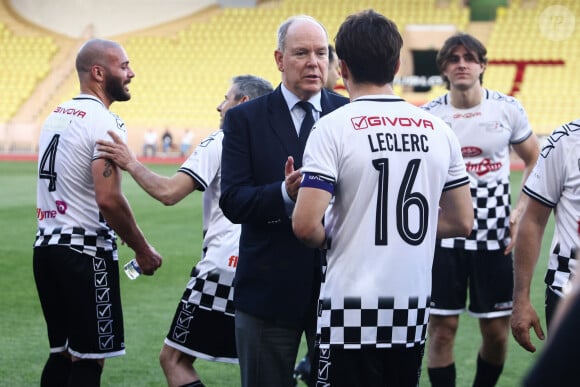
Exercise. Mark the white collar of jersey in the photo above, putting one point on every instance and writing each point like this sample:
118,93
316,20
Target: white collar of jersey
89,96
378,97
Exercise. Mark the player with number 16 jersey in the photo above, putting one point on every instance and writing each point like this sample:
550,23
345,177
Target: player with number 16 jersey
382,179
386,162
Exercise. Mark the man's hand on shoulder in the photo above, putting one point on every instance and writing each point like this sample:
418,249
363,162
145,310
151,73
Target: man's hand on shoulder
117,151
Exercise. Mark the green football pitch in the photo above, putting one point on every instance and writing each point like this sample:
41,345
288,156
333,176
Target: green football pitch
149,302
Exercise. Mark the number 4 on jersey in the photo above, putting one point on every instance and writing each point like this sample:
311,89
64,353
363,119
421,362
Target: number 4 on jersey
46,168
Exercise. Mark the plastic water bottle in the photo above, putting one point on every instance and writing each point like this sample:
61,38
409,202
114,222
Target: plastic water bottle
132,269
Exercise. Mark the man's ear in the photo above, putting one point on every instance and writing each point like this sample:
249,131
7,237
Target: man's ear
344,72
97,72
278,56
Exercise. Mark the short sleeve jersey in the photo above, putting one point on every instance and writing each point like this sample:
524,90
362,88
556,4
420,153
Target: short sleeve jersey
555,182
67,210
214,274
387,162
485,133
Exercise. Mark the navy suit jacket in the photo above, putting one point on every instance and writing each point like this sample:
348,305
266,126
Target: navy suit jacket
277,277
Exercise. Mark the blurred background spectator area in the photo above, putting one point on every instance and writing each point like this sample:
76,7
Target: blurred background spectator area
185,51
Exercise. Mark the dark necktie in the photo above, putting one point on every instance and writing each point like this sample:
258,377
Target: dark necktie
307,122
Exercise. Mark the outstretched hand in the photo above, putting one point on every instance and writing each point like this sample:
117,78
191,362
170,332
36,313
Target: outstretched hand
524,317
293,178
117,151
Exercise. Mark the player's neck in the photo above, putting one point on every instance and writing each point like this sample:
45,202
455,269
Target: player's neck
466,99
358,90
98,93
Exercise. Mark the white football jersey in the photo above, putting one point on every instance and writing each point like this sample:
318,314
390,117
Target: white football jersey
388,163
213,276
485,133
67,211
555,182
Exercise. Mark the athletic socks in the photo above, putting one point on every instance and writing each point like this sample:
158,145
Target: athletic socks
59,371
86,373
487,374
56,371
197,383
442,376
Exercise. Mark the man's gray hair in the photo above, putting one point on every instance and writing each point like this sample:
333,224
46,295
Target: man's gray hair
283,29
250,85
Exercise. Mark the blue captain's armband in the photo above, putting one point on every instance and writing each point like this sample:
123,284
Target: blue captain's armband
318,181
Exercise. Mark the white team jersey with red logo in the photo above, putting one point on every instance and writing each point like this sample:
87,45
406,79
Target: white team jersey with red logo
485,133
555,182
388,162
214,274
67,211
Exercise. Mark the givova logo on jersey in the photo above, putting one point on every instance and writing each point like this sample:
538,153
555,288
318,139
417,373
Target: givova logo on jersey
61,208
365,122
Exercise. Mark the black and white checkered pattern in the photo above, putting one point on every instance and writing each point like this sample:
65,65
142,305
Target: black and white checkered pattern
352,326
79,239
558,276
213,291
491,203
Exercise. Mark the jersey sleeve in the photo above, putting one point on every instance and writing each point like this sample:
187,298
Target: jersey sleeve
521,128
457,175
204,162
102,123
546,180
320,160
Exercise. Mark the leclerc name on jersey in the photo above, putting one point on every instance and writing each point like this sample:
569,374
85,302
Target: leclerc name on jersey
398,142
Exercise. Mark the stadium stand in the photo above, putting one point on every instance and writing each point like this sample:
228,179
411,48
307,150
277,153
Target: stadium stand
25,61
548,50
183,66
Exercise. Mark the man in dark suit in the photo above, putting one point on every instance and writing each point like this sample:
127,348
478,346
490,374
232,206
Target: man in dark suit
278,278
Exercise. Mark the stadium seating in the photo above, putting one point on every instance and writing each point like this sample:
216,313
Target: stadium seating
183,68
549,91
200,59
25,60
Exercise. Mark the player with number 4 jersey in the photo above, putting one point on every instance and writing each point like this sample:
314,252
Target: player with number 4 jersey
67,211
80,210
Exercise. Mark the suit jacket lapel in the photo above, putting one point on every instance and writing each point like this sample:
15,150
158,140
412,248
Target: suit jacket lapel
281,124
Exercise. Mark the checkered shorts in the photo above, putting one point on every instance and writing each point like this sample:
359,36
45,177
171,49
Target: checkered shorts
213,291
561,267
349,325
96,244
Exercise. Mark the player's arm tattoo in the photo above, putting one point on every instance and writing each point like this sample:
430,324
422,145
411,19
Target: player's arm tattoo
108,171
